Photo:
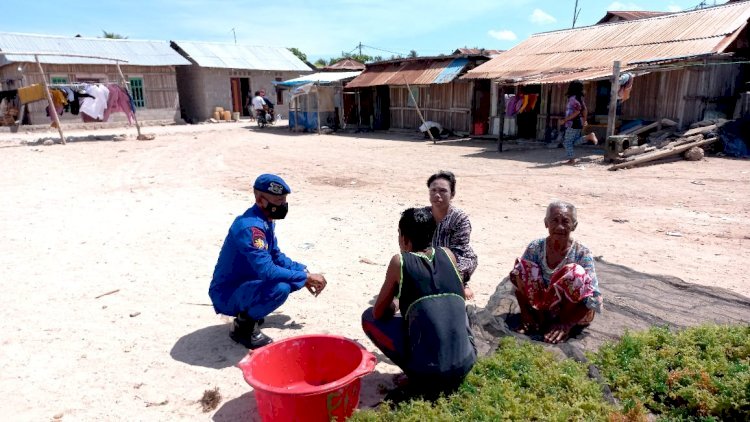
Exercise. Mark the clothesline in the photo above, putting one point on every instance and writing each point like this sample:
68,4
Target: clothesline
36,55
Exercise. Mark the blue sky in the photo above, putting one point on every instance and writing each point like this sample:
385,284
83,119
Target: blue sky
324,28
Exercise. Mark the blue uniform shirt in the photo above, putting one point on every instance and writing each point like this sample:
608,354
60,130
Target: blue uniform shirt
250,254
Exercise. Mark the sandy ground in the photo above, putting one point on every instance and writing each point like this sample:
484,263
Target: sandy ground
147,219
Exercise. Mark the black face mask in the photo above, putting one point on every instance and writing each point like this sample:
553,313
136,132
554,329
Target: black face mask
277,212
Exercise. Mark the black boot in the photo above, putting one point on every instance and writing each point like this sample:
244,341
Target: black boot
246,331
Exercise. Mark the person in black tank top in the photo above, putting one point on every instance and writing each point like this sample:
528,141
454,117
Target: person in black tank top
419,319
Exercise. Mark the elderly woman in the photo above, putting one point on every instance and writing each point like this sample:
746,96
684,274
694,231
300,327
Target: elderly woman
453,226
556,284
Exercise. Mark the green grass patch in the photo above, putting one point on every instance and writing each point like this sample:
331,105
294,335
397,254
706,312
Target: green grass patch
699,374
520,381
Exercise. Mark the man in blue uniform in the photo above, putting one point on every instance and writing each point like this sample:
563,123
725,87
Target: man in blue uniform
252,277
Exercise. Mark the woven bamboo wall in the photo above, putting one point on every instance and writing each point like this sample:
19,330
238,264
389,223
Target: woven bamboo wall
448,104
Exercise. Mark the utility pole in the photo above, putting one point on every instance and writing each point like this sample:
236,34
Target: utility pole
576,12
235,35
360,49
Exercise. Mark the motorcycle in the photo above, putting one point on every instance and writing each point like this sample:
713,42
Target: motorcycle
265,117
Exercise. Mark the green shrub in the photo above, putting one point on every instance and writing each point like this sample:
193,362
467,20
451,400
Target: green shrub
519,382
700,373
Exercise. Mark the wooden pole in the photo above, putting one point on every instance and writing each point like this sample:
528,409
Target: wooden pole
419,112
612,117
501,125
126,84
52,110
317,103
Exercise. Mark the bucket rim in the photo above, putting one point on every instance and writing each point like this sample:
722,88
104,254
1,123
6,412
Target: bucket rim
366,366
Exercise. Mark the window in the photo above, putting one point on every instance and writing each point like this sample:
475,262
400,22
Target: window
54,80
279,94
136,90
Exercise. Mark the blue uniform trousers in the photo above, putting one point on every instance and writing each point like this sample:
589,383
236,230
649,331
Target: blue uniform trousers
256,298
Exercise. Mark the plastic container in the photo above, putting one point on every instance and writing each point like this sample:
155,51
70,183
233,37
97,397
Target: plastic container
307,378
227,115
236,116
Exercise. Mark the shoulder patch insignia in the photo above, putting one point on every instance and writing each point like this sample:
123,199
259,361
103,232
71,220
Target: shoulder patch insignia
259,238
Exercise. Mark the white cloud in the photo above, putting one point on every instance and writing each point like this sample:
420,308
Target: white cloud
540,17
617,6
674,8
502,34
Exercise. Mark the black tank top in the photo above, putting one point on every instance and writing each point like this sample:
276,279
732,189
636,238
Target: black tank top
431,301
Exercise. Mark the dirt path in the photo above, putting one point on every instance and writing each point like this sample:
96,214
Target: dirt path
147,219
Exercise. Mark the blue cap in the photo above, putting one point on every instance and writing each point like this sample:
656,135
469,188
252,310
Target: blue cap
271,183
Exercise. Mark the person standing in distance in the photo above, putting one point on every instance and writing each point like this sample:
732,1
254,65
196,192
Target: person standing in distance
253,277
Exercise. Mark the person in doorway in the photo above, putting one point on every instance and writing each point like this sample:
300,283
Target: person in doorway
576,115
252,277
430,338
453,226
555,279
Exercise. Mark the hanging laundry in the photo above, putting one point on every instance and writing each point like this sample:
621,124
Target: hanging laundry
58,97
118,100
529,102
626,85
31,93
510,107
75,105
95,107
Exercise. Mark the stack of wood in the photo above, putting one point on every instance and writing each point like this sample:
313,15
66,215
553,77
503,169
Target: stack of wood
668,142
8,116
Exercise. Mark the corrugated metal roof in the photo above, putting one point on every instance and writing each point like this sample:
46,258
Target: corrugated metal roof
320,77
413,72
586,51
346,64
135,52
234,56
630,15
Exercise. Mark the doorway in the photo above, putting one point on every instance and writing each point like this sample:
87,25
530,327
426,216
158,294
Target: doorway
241,95
480,107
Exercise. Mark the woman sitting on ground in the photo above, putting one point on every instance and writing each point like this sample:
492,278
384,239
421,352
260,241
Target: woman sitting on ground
430,340
453,226
556,284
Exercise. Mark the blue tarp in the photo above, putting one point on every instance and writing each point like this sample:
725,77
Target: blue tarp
451,71
307,119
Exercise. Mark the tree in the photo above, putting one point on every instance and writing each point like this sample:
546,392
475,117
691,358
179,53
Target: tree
113,35
302,56
320,63
413,54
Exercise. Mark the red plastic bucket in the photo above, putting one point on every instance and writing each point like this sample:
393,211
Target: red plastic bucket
307,378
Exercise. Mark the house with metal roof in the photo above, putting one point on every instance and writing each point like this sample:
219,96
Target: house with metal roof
389,92
344,65
149,66
687,66
317,99
226,75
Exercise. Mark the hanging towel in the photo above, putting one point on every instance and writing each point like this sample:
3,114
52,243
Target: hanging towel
31,93
95,108
118,100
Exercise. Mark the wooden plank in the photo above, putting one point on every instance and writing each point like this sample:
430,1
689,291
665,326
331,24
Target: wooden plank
657,155
701,130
